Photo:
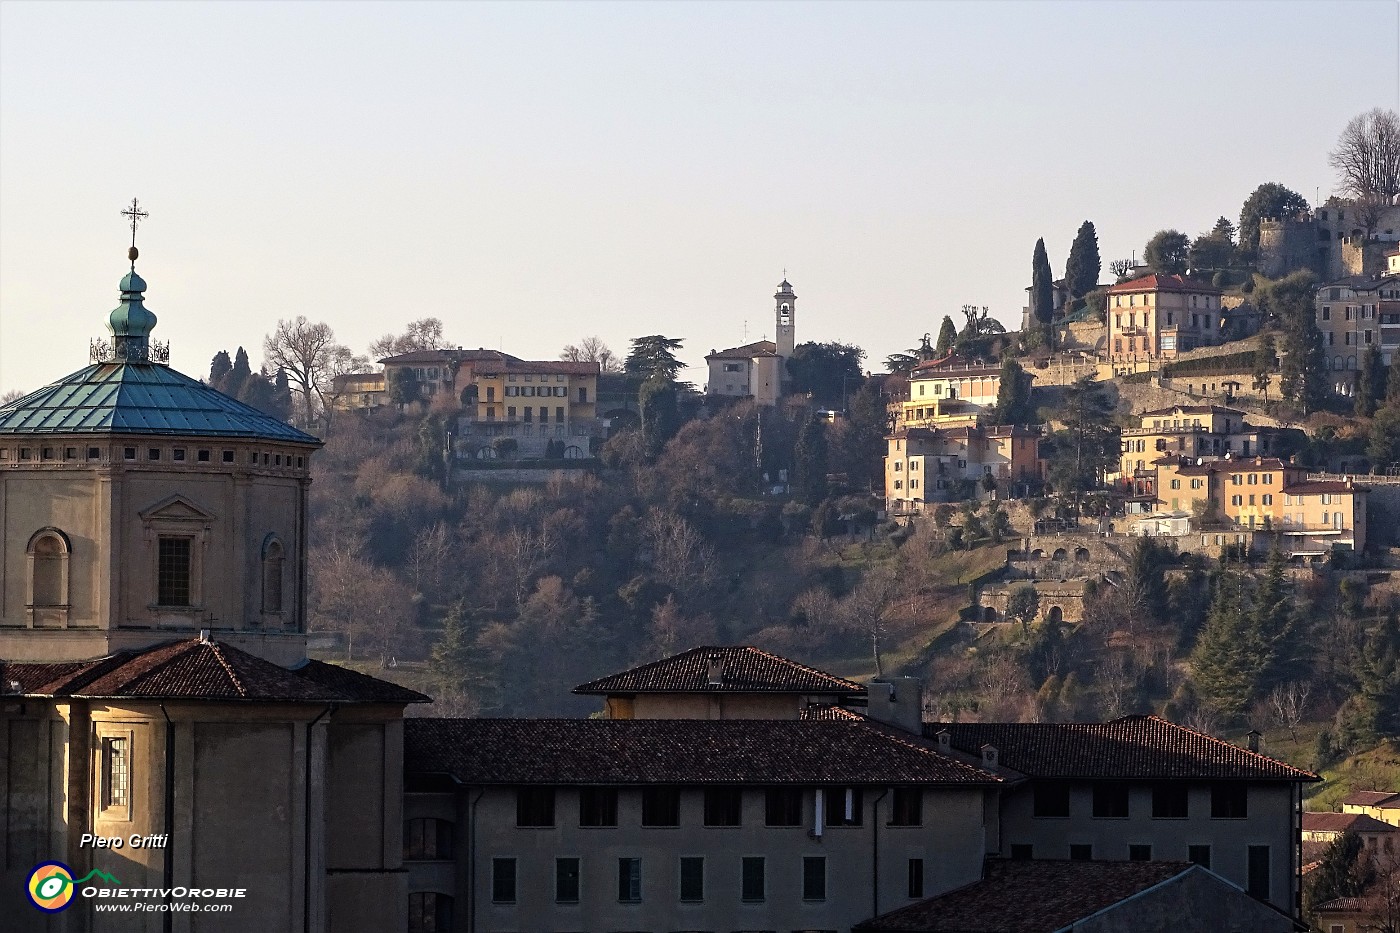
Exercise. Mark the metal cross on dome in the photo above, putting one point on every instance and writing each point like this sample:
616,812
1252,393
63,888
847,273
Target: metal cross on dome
135,215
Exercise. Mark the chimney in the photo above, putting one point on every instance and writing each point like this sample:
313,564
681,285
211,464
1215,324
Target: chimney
1252,738
896,701
716,670
945,741
989,756
204,637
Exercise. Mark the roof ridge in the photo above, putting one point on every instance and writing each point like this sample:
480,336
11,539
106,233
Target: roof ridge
1212,738
228,668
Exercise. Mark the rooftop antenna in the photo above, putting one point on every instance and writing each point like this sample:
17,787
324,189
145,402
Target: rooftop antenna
135,215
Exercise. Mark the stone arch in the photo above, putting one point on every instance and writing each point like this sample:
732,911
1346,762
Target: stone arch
48,552
1054,615
1037,554
989,614
1081,553
486,452
1059,554
574,452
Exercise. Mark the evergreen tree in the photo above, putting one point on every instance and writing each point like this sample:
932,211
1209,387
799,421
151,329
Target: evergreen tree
257,392
1013,404
1224,230
219,368
1087,445
234,379
281,396
1167,252
1083,266
1370,383
1225,663
1042,285
1392,381
858,448
1342,872
404,388
1383,449
660,412
1265,359
1302,373
809,460
654,356
948,335
1275,622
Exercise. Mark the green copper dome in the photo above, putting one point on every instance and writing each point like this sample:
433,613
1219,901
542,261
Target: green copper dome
131,318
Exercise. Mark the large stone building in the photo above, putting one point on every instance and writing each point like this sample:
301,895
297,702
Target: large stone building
758,370
156,689
1206,431
1355,314
533,403
1157,317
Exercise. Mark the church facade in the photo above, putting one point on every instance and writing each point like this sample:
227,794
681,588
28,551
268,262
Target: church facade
165,744
758,370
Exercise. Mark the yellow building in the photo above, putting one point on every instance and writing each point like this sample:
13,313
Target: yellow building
1191,431
532,403
950,391
934,464
358,391
1156,317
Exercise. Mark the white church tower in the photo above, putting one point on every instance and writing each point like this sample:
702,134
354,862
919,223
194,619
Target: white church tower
785,336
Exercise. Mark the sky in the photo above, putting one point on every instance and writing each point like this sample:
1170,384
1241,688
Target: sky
535,173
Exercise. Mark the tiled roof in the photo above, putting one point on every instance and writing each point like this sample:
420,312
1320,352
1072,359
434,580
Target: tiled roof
1130,748
1163,283
448,356
140,398
674,751
1344,822
952,364
198,670
830,713
744,669
1348,905
1336,486
1193,410
1027,897
747,351
1373,798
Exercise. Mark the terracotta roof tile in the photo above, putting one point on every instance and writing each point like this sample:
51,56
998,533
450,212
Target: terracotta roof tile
675,751
199,670
830,713
745,669
1345,822
1027,897
1131,748
1163,283
747,352
1372,798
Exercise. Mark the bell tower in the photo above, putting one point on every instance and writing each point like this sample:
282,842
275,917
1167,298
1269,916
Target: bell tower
786,313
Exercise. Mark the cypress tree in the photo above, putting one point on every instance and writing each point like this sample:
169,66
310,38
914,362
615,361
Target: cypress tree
1226,660
1370,384
948,335
809,460
281,396
1042,285
234,379
1013,395
1083,266
1392,381
219,368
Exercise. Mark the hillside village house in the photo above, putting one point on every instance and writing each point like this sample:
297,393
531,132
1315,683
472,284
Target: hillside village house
1355,313
728,788
1329,827
1264,494
758,370
924,465
1383,805
532,402
1191,431
153,609
951,391
1156,317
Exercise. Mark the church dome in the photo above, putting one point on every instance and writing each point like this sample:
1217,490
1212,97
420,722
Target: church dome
131,318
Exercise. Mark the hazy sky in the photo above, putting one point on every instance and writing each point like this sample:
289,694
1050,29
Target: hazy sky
533,173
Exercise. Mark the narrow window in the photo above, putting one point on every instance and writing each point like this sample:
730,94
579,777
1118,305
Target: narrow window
1169,802
1081,852
534,806
1111,800
272,577
583,396
1139,853
661,806
1198,855
814,878
1259,872
751,882
783,806
597,806
916,877
427,840
173,571
503,880
907,809
566,876
629,880
49,571
116,773
692,878
724,806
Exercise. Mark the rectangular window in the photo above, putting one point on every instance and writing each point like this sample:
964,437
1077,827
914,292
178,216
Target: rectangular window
153,453
843,806
1139,853
534,806
597,806
566,872
128,453
173,571
1229,802
724,806
1111,800
228,456
116,773
661,806
814,878
907,809
1169,802
70,453
1259,872
1051,799
510,412
916,877
1022,852
94,453
1198,855
503,880
559,413
583,396
202,456
1081,852
692,878
783,806
751,879
178,454
629,880
427,840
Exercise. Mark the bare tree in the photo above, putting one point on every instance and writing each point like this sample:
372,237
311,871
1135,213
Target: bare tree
1367,157
1289,703
13,394
1116,681
422,334
679,554
592,350
312,359
864,610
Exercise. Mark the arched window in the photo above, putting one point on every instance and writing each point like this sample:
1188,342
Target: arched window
272,556
429,912
48,569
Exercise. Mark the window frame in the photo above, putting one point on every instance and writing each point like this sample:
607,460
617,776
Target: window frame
1167,793
560,878
907,806
1041,800
723,806
814,884
598,803
1107,798
505,885
661,802
629,880
686,885
109,804
1223,800
753,879
916,878
534,805
785,802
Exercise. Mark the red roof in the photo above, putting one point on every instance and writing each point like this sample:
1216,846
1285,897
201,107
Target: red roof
1163,283
742,669
1345,822
747,352
1386,799
1332,486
